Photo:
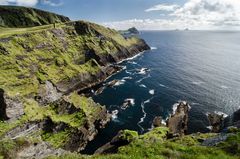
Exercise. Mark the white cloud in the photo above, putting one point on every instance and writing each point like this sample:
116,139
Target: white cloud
194,14
30,3
162,7
19,2
51,3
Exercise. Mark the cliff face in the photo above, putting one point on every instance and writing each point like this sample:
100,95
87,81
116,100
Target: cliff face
13,16
41,72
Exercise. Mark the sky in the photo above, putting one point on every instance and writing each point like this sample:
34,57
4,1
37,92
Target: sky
146,14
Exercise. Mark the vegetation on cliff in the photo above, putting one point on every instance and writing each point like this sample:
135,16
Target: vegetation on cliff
155,144
20,17
42,69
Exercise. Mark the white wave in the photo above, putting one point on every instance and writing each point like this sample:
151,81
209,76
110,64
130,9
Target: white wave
124,68
143,78
197,82
114,114
120,82
153,48
218,113
209,127
128,72
125,78
144,115
132,62
143,71
147,101
130,58
131,100
224,87
142,85
152,91
193,103
162,85
164,122
174,107
221,113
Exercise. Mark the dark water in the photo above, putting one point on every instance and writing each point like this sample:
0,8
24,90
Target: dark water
198,66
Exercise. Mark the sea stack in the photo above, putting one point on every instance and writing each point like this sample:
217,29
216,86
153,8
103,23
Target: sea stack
178,121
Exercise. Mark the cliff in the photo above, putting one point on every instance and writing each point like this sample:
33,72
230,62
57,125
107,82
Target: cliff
43,70
20,17
161,143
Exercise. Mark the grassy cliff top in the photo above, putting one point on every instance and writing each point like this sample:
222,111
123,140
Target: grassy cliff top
20,17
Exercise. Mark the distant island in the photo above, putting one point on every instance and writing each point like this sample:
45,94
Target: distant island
130,31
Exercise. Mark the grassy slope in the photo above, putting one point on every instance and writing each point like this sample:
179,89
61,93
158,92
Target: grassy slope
40,55
20,17
154,145
31,56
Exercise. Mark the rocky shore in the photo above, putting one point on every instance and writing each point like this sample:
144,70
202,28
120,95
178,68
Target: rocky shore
177,126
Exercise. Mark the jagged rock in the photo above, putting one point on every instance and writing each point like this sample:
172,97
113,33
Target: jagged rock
233,120
24,130
40,150
99,90
121,139
157,121
10,108
127,103
48,93
216,121
178,122
112,83
213,141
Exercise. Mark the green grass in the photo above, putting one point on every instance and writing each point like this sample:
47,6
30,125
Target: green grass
154,145
6,32
19,17
32,56
57,139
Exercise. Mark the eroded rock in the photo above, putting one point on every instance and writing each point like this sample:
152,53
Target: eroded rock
10,108
216,121
40,150
124,137
157,122
233,120
48,93
178,122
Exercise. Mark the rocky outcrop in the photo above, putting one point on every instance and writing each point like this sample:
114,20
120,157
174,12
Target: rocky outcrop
233,120
48,93
178,121
121,139
10,108
49,70
158,122
130,31
216,122
39,150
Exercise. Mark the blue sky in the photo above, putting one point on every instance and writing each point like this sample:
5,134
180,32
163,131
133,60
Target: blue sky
146,14
106,10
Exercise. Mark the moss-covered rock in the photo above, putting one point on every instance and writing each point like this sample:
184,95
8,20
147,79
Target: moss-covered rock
42,70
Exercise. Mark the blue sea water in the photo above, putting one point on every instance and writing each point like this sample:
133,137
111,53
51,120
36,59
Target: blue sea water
201,67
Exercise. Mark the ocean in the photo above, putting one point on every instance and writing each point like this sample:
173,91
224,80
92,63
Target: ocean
201,67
